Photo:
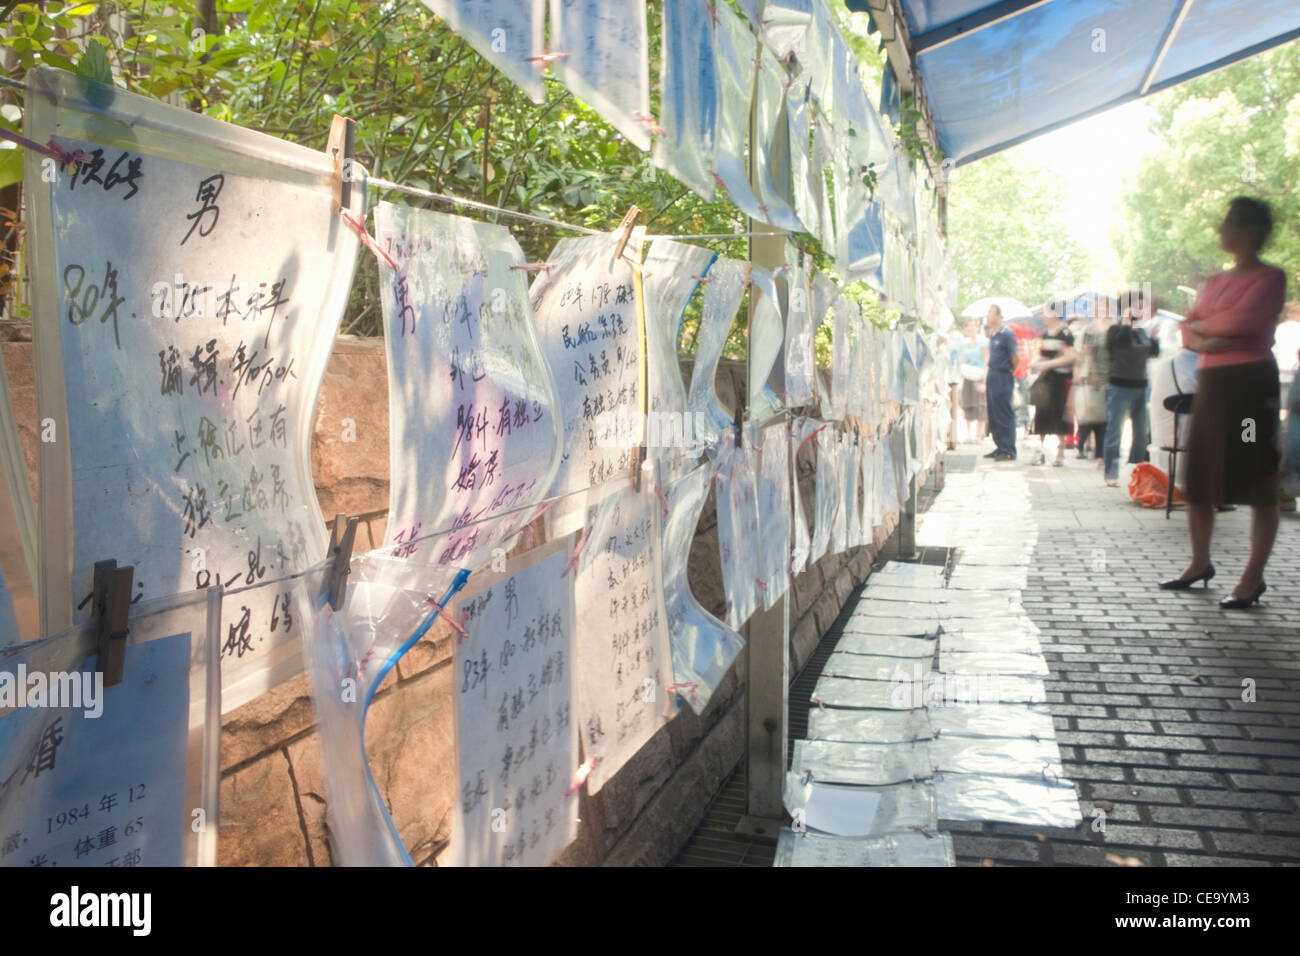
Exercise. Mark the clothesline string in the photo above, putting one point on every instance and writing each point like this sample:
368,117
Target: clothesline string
379,183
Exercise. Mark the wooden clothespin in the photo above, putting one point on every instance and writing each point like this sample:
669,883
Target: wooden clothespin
342,143
625,232
111,604
342,537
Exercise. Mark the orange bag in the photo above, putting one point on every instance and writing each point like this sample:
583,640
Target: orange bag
1149,485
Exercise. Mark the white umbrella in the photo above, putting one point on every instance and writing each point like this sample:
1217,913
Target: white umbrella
1011,308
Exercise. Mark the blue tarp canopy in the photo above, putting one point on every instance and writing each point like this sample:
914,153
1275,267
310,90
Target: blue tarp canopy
997,74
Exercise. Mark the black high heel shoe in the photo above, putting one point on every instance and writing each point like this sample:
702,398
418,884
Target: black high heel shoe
1182,584
1241,604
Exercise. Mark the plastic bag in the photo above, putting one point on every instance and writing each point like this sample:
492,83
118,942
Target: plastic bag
1149,486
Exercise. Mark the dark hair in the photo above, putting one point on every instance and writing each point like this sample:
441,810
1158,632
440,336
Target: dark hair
1252,214
997,308
1129,299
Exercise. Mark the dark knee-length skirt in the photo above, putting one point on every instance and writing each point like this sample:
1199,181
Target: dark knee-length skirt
1232,453
1050,419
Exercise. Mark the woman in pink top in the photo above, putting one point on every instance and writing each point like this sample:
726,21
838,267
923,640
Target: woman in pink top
1232,454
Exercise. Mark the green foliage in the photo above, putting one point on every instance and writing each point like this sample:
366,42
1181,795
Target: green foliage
430,112
1230,133
1008,233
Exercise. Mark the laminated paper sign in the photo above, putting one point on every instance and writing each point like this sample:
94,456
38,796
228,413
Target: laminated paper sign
827,493
841,357
773,163
766,340
506,33
774,513
737,48
588,309
185,311
738,529
800,326
113,776
607,61
516,726
672,273
703,647
624,658
722,297
475,434
688,148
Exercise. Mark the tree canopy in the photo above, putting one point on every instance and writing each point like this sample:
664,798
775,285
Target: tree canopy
1235,132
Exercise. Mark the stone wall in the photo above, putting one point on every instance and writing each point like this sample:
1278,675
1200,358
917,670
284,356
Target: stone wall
273,796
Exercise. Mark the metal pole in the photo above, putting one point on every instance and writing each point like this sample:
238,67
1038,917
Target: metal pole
768,646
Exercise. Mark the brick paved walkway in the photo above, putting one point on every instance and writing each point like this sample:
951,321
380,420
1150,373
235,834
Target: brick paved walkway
1146,686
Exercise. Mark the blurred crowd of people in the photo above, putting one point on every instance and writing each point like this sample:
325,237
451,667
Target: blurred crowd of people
1088,378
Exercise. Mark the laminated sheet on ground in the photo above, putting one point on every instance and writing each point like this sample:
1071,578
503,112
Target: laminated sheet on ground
903,574
886,645
1040,802
939,689
869,607
868,765
887,626
989,578
861,811
1013,640
1008,624
899,849
869,726
863,694
997,756
868,666
921,595
989,662
863,622
1018,721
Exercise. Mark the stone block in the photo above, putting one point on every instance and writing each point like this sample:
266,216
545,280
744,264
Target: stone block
259,821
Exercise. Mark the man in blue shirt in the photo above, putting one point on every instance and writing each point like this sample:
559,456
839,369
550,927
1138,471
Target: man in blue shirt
1004,350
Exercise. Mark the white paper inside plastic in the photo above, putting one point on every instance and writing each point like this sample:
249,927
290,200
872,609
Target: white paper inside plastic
868,726
799,328
688,112
516,736
773,539
1025,721
703,647
722,295
899,849
826,492
766,340
623,652
670,276
833,761
885,645
608,61
475,430
81,755
860,811
182,336
585,307
772,161
1025,801
736,48
506,33
737,504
